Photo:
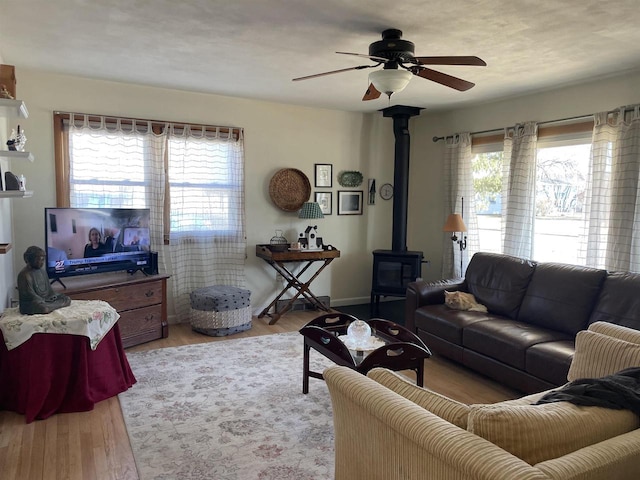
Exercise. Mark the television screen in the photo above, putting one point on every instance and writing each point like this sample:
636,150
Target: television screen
93,240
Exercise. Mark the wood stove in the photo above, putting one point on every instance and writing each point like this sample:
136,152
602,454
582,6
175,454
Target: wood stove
392,272
394,269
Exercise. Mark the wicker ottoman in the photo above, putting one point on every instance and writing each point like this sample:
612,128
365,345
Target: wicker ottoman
220,310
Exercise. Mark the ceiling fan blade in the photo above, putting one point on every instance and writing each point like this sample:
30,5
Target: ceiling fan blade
459,60
443,78
364,55
371,94
332,72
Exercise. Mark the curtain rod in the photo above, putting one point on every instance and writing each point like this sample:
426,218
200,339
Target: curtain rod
579,117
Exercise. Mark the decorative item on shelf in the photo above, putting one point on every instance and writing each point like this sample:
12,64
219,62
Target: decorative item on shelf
350,178
17,140
309,239
11,182
4,93
386,191
278,243
455,224
8,81
289,188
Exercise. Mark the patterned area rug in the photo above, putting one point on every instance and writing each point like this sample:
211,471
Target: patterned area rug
230,410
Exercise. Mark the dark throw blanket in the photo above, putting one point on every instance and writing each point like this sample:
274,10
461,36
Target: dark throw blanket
618,391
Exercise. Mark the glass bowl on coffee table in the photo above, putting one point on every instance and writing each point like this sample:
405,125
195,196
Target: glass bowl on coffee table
390,346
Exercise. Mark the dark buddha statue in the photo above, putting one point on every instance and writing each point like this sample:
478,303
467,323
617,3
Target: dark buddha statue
35,292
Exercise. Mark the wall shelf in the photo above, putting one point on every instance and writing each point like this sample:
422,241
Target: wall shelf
16,194
4,248
13,155
13,108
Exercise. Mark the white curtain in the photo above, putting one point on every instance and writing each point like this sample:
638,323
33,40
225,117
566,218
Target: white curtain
612,204
207,240
458,181
519,190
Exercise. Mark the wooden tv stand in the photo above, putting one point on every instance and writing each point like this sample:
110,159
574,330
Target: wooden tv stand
140,300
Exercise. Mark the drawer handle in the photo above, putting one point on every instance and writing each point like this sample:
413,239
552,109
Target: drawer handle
149,293
149,317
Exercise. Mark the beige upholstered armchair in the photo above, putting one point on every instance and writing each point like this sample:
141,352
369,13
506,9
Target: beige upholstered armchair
386,428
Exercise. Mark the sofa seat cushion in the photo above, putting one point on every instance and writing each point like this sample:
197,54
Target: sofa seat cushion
619,301
507,340
561,297
446,408
441,321
550,361
499,281
598,355
535,433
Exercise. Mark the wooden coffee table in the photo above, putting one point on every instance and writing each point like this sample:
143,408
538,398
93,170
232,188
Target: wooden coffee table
402,349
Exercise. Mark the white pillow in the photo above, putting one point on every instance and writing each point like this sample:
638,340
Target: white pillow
616,331
598,355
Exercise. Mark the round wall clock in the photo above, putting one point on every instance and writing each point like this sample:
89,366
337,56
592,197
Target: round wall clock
386,191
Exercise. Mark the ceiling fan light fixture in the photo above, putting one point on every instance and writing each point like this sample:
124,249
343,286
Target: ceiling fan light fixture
390,81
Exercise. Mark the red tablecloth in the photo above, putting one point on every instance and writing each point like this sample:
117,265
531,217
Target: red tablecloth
59,373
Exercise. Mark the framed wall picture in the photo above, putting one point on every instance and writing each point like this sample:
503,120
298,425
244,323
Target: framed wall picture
323,175
350,202
324,200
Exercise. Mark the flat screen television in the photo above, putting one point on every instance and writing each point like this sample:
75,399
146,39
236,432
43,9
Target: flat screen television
82,241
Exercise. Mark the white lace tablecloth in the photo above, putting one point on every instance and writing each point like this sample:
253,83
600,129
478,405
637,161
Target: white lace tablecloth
90,318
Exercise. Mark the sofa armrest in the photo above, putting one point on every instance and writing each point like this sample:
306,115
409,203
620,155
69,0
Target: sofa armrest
427,293
616,457
379,435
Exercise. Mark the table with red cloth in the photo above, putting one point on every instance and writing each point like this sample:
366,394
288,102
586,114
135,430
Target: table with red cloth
60,373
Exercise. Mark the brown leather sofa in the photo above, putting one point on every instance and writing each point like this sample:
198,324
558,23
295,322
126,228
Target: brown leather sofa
527,339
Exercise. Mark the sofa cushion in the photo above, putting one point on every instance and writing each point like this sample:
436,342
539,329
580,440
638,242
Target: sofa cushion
443,322
499,281
616,331
619,301
536,433
550,361
598,355
507,340
440,405
561,297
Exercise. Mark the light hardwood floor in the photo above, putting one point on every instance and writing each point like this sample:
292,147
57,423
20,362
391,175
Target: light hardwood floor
95,445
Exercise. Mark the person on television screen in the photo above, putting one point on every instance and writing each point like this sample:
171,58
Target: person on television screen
95,247
34,290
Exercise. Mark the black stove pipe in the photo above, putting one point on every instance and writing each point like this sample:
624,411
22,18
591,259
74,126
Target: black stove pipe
401,115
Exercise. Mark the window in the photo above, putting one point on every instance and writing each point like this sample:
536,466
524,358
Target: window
107,170
561,182
487,187
121,163
204,187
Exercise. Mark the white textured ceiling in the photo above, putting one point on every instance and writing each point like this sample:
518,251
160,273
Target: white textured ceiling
253,48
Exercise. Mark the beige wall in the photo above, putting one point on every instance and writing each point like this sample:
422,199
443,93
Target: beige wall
278,136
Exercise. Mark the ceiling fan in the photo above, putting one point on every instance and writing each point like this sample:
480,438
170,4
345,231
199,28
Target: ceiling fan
394,52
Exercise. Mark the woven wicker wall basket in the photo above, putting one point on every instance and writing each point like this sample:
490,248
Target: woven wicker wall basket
289,188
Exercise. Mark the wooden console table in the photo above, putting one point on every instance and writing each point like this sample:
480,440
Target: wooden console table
140,300
278,259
